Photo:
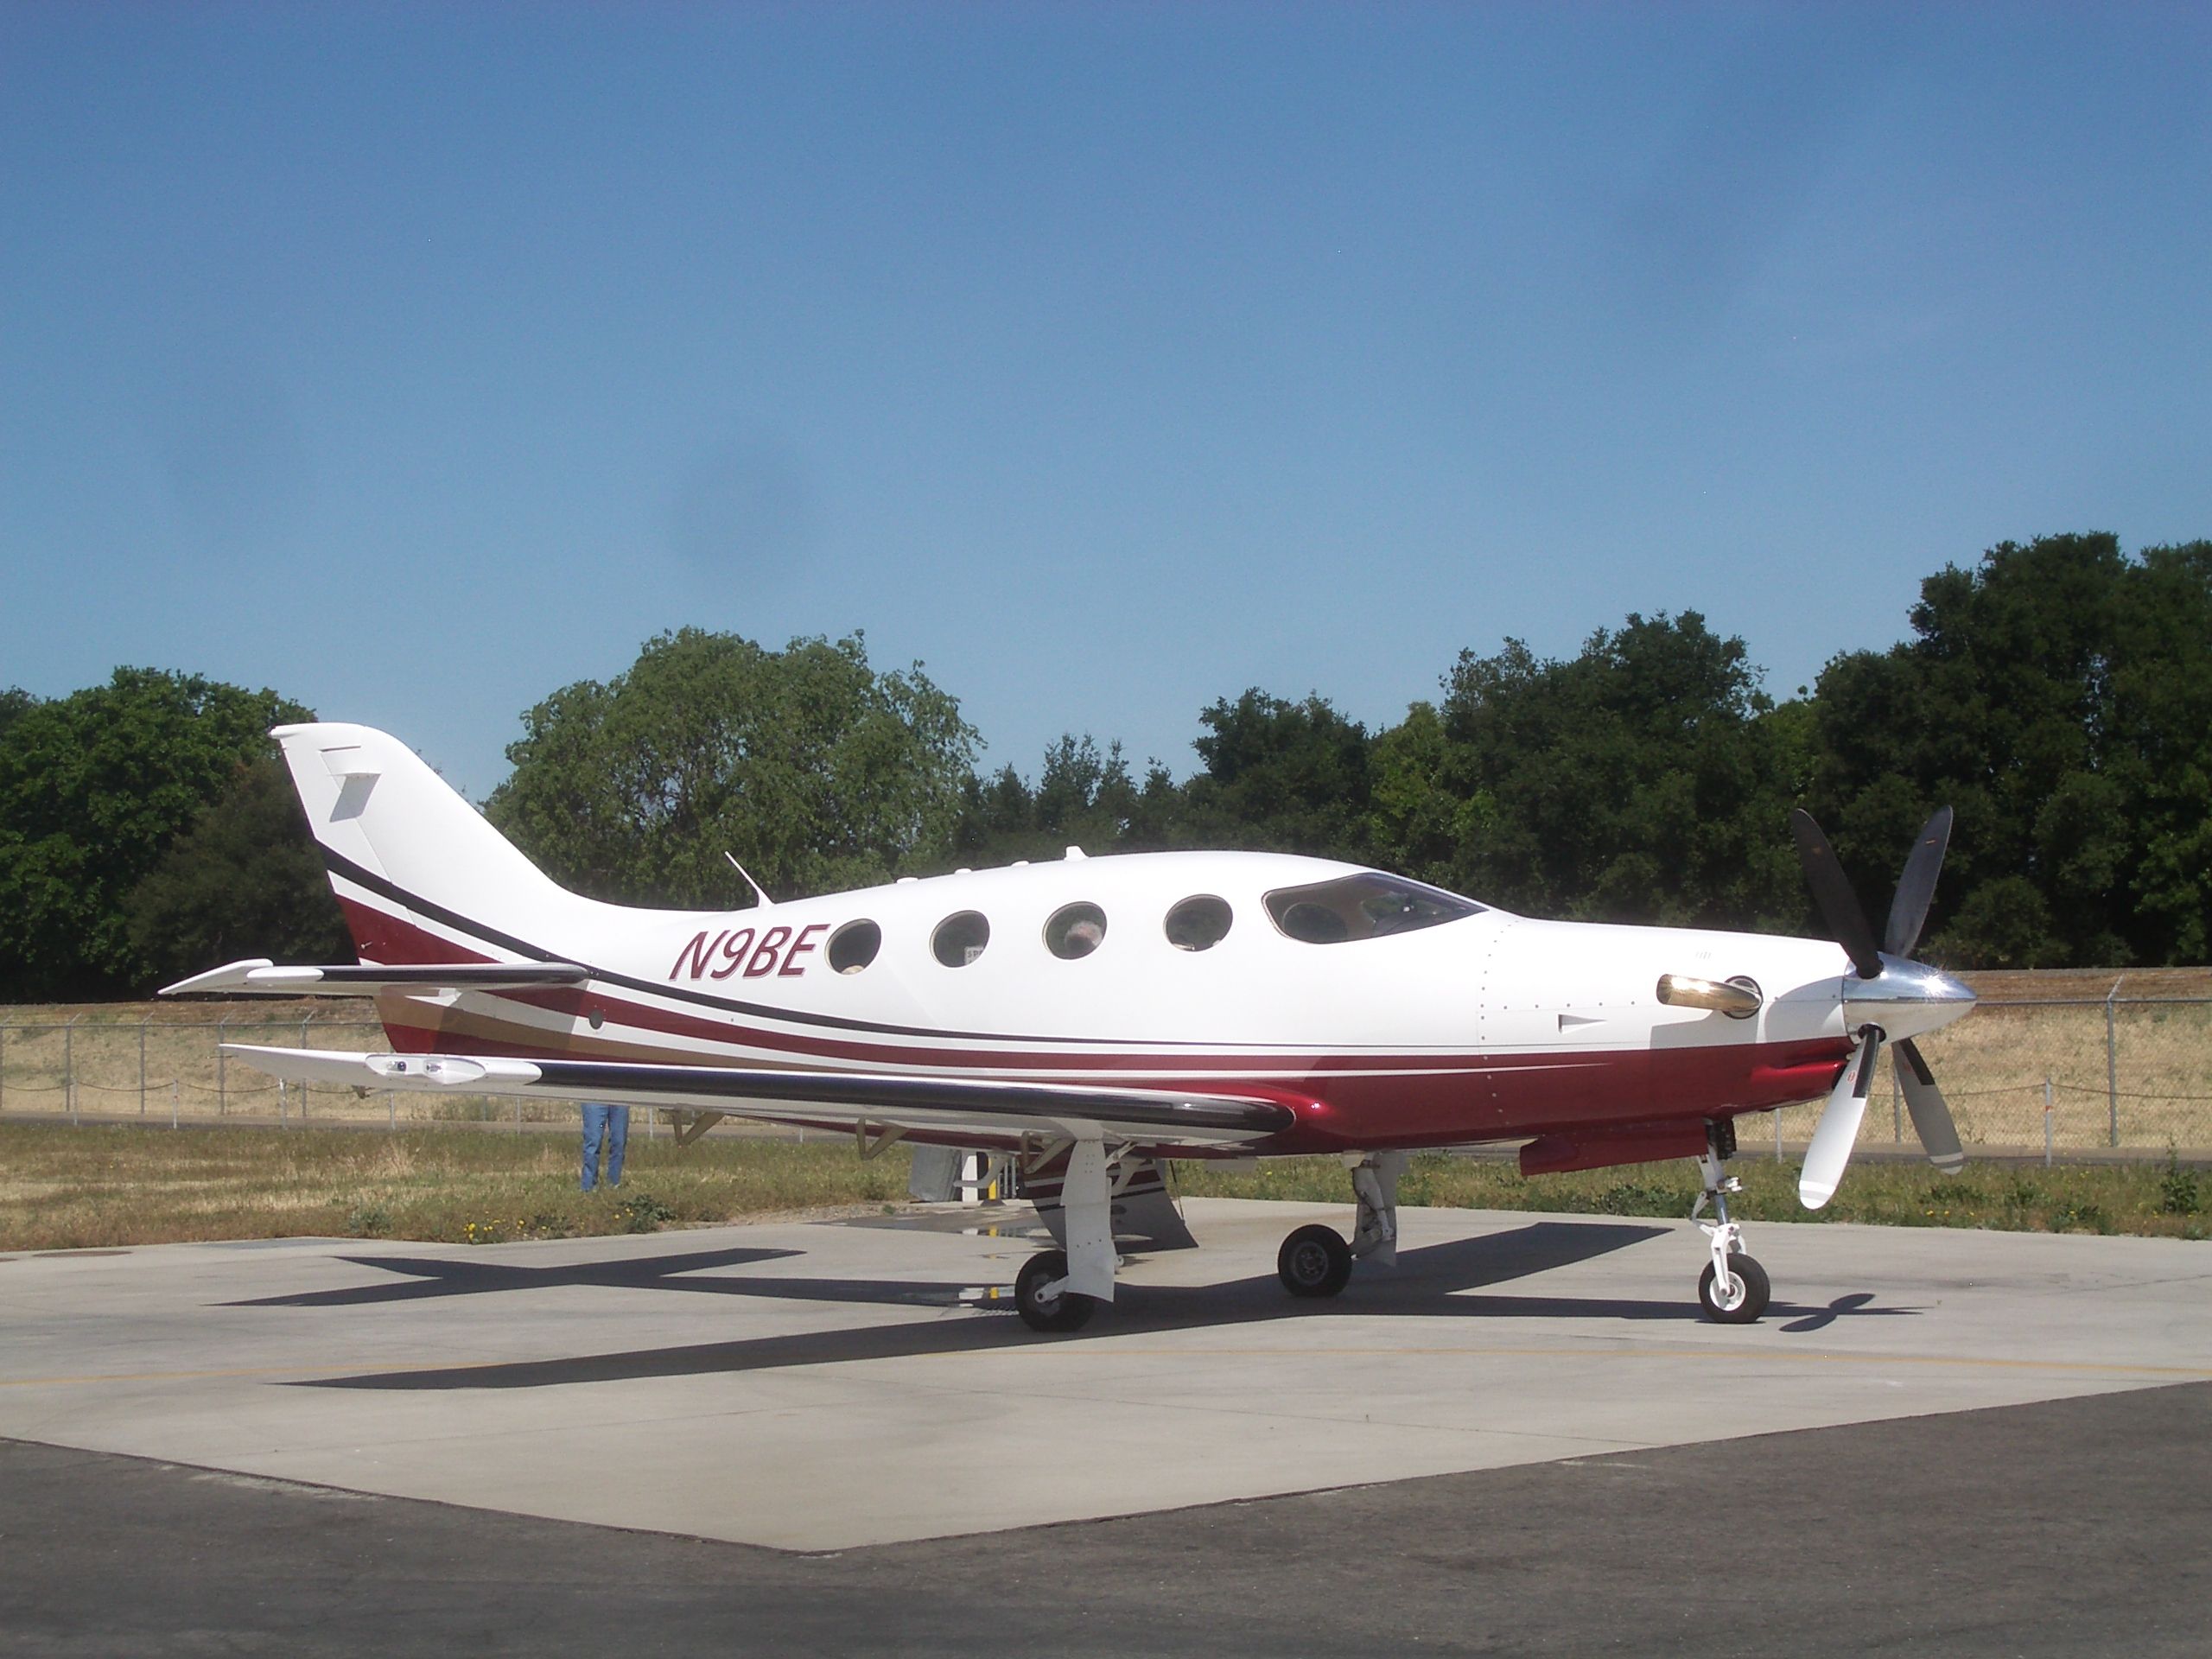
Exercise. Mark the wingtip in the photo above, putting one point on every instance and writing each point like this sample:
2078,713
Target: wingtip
231,976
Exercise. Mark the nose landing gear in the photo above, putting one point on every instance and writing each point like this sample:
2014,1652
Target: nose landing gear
1733,1289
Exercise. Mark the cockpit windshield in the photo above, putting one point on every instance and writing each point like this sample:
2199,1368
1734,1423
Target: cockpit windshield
1364,906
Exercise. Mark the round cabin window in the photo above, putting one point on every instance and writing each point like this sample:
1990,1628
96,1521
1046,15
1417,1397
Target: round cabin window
960,939
1075,931
1200,923
853,946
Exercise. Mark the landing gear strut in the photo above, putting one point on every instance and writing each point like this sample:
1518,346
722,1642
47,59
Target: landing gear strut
1316,1262
1733,1288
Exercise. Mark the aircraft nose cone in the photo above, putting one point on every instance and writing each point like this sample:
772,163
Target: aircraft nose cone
1906,998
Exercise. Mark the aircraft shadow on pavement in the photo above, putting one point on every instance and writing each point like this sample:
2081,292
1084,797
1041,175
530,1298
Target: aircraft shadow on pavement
1430,1282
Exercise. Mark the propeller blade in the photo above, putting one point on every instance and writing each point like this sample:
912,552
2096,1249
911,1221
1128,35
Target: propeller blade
1931,1118
1839,905
1917,887
1839,1128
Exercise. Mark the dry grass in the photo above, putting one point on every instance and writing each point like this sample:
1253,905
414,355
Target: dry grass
112,1185
91,1059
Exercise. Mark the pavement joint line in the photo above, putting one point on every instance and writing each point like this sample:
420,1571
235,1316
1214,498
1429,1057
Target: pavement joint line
2190,1373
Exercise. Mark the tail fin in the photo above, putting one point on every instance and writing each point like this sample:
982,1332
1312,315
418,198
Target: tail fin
420,875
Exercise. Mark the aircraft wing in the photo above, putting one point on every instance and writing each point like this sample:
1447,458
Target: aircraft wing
997,1108
259,976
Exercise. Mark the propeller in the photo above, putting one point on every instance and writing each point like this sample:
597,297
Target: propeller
1839,1128
1838,1131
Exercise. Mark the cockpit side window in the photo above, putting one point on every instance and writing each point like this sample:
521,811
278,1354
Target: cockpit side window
1364,906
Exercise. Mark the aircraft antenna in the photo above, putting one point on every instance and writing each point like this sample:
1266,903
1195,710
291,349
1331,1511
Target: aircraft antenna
759,891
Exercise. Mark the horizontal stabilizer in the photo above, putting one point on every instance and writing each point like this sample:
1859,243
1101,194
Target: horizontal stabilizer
998,1107
258,976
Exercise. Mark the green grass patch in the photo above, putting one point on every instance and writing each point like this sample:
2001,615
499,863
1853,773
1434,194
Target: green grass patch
2151,1200
63,1188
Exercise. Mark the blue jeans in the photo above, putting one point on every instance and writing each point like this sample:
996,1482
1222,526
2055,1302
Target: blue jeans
610,1124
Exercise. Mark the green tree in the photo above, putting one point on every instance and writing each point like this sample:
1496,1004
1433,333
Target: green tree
95,788
14,702
1416,823
1083,798
1280,777
2059,695
805,764
244,881
1646,780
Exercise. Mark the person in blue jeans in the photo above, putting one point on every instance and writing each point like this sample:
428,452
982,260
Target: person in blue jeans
609,1125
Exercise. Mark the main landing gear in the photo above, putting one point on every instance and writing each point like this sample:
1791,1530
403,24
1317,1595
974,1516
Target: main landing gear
1733,1288
1060,1290
1045,1302
1316,1262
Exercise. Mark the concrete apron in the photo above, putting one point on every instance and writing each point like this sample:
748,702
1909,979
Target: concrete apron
824,1386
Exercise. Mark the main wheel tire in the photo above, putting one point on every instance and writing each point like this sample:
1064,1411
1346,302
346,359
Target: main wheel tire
1314,1261
1744,1297
1062,1310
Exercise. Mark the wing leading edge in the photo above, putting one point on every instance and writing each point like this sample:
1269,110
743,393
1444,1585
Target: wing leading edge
998,1106
259,976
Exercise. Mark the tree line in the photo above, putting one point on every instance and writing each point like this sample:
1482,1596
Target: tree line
2057,693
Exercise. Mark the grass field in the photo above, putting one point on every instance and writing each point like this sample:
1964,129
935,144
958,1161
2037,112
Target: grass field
122,1184
2151,1200
119,1184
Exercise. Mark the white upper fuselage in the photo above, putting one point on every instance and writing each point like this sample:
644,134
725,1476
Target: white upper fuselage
1490,980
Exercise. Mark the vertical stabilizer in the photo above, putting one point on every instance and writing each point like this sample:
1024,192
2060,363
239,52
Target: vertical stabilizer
421,875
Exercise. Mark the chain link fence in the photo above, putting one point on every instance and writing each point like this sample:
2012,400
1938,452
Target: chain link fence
106,1065
2038,1067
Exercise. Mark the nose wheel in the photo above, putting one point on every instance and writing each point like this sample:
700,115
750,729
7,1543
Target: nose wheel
1737,1298
1733,1288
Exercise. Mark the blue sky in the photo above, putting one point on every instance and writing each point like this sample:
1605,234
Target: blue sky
418,359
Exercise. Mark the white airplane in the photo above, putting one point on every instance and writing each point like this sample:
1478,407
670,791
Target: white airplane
1093,1019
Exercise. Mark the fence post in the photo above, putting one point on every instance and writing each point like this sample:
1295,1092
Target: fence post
174,1088
69,1066
303,1082
1897,1108
1778,1134
2047,1092
222,1062
391,1113
2111,1062
4,1068
142,1066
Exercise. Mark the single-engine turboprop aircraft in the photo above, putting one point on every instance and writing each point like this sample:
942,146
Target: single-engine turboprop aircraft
1093,1019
